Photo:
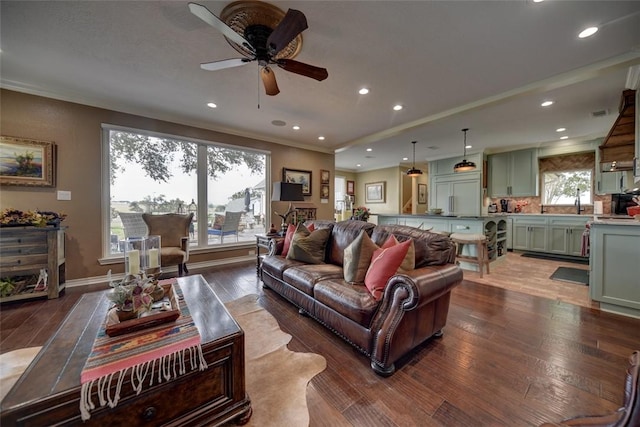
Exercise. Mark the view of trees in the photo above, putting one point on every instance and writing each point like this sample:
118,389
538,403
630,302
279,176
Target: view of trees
561,187
154,156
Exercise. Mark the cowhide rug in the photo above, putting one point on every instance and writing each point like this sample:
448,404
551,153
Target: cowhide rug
276,378
12,365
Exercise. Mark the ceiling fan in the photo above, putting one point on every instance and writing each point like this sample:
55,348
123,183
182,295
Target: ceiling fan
260,32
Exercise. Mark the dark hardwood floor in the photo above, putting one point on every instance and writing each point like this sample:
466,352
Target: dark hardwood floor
506,358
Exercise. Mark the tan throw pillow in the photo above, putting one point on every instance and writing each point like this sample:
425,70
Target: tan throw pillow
357,257
309,247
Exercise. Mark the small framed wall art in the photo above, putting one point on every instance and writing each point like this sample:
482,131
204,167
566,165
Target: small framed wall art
422,193
297,176
374,192
325,175
27,162
351,188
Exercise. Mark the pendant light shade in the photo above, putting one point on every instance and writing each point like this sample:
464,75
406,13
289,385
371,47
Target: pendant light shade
413,171
464,165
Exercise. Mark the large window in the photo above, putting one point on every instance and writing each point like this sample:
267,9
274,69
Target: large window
223,186
564,188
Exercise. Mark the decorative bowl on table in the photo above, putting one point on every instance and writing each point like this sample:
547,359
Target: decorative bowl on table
435,211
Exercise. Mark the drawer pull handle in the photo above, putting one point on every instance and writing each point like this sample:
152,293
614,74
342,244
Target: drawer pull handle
149,413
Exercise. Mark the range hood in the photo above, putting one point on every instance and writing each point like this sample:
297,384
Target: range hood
618,149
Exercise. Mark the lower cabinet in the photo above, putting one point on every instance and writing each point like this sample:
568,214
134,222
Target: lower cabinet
614,261
530,234
565,237
554,234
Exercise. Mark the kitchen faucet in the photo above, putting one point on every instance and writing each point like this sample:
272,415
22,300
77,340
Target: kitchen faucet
577,202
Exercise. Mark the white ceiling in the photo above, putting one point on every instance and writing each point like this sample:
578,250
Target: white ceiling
485,65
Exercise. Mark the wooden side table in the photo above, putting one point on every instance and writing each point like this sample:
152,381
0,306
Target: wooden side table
262,242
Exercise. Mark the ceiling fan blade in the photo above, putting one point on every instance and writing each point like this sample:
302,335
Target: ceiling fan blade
225,63
303,69
269,81
293,23
208,17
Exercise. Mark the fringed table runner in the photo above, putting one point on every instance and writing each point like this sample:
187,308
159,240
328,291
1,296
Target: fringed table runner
159,353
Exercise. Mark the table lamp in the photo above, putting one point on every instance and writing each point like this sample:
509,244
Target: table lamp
286,192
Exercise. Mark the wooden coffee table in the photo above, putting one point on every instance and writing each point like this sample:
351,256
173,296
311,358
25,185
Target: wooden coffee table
49,390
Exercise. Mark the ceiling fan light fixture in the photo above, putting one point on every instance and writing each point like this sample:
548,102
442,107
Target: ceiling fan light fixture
464,165
413,171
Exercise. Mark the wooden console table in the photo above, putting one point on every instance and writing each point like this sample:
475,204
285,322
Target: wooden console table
48,392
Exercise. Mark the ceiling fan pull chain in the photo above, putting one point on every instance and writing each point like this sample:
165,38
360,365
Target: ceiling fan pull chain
259,82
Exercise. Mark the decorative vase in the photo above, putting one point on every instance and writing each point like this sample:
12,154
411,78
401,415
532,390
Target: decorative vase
124,315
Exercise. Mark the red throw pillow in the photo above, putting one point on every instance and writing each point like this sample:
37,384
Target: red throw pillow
287,238
384,264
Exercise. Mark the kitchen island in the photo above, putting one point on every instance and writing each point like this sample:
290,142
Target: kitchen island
614,260
494,227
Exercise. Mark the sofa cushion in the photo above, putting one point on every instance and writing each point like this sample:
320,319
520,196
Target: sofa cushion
431,248
309,247
357,257
352,301
304,277
276,265
342,234
384,264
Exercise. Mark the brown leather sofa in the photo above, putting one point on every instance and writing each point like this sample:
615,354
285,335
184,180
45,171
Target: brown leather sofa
626,416
414,306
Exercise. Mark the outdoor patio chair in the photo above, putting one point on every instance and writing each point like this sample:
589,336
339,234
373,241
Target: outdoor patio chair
229,226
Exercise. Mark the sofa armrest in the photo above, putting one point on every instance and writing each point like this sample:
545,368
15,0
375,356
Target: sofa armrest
400,323
276,245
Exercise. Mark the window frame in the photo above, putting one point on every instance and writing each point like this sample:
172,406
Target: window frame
202,187
583,169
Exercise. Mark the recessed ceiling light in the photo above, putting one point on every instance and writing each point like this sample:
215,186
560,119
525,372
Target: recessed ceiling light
369,149
468,146
546,103
538,1
561,129
363,91
296,127
358,165
587,32
321,138
564,137
405,159
212,105
397,107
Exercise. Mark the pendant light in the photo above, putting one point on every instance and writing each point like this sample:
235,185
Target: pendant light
413,171
464,165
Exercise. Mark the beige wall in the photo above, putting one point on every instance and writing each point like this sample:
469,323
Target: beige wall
76,130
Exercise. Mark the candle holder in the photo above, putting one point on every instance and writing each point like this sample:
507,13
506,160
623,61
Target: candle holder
141,254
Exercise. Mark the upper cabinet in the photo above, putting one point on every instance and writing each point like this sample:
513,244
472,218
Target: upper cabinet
514,173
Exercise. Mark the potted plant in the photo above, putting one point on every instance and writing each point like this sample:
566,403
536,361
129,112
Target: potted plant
133,295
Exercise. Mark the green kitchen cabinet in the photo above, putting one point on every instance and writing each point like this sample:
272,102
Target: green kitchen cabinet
530,234
457,194
565,235
513,174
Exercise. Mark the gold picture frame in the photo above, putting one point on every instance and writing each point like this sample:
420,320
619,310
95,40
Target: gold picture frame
27,162
374,192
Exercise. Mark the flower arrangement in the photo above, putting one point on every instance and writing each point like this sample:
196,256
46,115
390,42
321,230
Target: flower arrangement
361,213
133,293
520,204
12,217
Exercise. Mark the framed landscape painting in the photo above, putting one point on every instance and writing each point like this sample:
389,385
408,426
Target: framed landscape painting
374,192
298,177
26,162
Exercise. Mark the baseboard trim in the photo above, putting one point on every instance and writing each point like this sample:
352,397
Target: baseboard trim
74,283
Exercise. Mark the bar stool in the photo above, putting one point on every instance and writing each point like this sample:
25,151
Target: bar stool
482,253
